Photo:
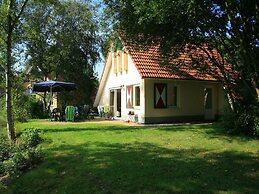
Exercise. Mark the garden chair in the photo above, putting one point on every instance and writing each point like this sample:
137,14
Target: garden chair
70,113
55,115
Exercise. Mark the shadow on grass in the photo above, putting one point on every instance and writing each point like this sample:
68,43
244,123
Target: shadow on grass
117,127
89,128
216,130
210,130
140,168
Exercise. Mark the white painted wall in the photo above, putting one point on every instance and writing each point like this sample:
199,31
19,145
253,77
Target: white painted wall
122,80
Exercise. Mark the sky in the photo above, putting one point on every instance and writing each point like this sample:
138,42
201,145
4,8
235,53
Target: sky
99,68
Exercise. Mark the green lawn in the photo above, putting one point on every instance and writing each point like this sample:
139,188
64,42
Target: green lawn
118,158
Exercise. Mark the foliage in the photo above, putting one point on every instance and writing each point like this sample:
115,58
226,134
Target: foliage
59,40
237,123
18,157
31,137
21,99
25,106
36,108
63,44
248,118
4,152
231,27
1,75
2,116
10,37
21,160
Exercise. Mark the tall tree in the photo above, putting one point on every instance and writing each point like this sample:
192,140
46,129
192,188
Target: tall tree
231,27
62,43
11,12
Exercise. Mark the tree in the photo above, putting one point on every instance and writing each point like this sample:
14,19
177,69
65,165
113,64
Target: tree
11,12
230,27
62,43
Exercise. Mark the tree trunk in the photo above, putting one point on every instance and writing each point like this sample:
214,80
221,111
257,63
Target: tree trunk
8,76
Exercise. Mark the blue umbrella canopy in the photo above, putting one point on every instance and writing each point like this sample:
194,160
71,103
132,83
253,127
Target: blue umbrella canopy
53,86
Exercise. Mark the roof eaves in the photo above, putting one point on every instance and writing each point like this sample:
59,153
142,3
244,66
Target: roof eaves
103,78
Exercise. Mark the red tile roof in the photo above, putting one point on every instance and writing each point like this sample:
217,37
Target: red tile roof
150,64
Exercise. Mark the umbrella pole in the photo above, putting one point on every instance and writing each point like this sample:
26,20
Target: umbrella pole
50,107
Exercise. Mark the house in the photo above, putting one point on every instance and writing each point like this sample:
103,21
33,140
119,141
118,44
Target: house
136,86
29,81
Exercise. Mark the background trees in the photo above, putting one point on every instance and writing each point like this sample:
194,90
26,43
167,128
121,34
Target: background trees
63,44
231,27
56,39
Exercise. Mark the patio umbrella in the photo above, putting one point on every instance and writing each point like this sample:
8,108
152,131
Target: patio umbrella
53,86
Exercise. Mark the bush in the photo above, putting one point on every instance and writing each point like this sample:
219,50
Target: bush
21,156
246,122
31,108
31,137
36,108
5,150
22,160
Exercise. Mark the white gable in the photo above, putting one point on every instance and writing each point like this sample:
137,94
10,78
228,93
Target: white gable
115,75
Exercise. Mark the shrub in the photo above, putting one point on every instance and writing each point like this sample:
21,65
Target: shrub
28,107
21,156
36,108
246,122
22,160
31,137
5,151
5,148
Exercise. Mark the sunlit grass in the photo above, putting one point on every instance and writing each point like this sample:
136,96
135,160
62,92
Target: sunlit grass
108,157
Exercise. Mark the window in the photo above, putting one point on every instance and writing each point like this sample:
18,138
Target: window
137,96
208,98
173,95
129,96
160,95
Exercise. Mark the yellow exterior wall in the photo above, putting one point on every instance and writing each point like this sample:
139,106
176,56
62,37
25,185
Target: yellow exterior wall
190,98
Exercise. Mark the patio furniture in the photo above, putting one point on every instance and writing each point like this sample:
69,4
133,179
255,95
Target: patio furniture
55,115
70,113
54,86
106,111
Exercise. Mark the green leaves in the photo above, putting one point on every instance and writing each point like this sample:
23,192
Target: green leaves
229,27
63,43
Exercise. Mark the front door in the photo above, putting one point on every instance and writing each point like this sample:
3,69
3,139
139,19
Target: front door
115,102
118,111
112,96
208,104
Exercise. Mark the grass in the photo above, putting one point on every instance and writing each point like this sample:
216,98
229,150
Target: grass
118,158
